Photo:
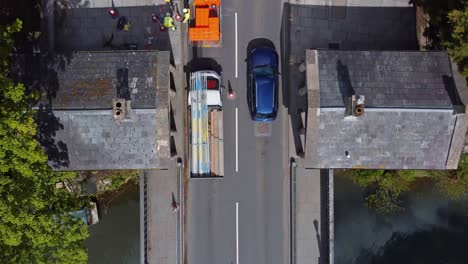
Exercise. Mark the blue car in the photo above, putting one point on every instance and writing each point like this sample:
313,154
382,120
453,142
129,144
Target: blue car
262,84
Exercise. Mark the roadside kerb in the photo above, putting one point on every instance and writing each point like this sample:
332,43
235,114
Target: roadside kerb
331,218
143,220
292,214
180,229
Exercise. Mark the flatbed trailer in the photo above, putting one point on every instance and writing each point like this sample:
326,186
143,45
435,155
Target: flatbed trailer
205,125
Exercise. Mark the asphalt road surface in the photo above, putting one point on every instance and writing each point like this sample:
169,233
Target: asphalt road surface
241,218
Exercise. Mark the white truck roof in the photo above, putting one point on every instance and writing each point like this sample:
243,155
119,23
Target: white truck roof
213,96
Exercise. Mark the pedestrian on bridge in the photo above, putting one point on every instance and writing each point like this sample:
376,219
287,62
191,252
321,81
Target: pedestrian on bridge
186,15
169,22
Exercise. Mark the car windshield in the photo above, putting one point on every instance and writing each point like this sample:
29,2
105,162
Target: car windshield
263,71
260,115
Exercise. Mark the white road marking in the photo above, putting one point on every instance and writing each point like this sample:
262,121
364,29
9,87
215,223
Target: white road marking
237,144
235,17
237,233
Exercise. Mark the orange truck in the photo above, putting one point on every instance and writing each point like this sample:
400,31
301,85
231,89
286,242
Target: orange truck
205,24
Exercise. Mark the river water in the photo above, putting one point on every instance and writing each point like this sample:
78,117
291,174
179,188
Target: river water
432,229
115,239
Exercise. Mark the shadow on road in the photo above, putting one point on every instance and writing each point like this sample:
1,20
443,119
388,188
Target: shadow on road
292,80
201,64
324,238
319,242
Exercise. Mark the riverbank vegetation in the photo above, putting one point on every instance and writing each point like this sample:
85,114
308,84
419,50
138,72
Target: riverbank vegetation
385,189
454,183
35,223
111,181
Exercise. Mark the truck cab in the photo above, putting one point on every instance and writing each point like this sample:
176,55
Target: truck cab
213,89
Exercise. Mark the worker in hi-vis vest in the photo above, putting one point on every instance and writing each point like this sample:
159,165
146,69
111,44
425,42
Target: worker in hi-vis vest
186,15
169,22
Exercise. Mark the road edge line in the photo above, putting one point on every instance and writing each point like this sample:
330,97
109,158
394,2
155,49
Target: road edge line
235,32
237,232
237,141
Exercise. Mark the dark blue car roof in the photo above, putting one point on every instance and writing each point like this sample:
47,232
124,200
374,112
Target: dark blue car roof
263,56
265,87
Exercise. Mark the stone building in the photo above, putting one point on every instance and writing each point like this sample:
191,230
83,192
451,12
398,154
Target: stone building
383,110
106,110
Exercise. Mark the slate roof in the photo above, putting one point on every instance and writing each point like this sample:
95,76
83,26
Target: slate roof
94,140
89,80
76,125
403,79
412,113
392,139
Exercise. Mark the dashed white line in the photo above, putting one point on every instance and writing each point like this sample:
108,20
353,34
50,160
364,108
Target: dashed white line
237,143
237,233
235,17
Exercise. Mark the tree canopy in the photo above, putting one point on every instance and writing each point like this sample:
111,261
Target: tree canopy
448,28
454,183
35,223
457,46
384,188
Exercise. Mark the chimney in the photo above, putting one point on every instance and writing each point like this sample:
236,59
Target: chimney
355,107
358,105
121,107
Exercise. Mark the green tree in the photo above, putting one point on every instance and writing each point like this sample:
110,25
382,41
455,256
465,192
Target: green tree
454,183
384,188
457,46
35,224
448,28
117,179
